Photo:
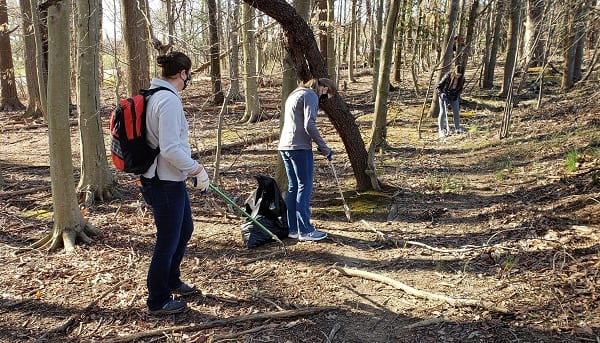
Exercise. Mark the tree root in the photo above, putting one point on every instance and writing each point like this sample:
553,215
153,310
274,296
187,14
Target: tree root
223,322
422,294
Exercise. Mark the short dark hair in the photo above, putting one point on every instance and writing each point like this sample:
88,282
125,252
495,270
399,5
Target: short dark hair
173,63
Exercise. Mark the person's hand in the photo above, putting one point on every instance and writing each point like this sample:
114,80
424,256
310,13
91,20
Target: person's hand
443,96
328,153
200,181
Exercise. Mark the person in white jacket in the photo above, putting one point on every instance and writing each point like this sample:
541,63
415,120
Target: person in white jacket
163,184
295,146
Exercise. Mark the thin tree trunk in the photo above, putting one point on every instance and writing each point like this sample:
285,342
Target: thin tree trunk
96,182
34,105
512,46
215,60
136,45
252,113
10,99
490,65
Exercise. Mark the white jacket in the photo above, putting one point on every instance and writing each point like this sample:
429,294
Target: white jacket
168,128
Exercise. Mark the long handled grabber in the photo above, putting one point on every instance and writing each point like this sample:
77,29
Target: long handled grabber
346,208
247,215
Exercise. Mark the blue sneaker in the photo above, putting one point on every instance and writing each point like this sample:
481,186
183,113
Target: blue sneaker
312,236
292,234
171,307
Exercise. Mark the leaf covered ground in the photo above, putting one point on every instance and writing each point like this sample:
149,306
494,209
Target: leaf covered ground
511,223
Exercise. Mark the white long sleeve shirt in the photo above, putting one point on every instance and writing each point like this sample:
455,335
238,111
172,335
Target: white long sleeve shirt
167,128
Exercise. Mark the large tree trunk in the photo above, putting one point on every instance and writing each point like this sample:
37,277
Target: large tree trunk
215,60
96,182
253,111
10,99
136,45
69,223
512,46
447,57
34,105
303,50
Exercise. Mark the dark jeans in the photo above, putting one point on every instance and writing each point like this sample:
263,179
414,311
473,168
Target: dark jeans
299,165
173,218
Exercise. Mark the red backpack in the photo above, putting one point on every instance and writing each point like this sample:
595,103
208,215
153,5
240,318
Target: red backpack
129,149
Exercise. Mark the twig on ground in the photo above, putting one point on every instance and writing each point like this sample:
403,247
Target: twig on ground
336,327
421,294
424,322
224,322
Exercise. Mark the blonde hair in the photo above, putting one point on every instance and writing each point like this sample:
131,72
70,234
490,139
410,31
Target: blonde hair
314,84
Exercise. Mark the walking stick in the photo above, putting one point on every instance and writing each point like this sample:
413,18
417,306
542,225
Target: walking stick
346,208
245,214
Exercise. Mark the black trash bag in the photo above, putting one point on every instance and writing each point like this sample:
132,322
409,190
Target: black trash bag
266,205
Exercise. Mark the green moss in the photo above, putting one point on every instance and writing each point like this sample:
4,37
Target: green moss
362,204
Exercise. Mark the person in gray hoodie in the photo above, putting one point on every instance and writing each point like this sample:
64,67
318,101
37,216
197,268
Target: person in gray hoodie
164,187
295,146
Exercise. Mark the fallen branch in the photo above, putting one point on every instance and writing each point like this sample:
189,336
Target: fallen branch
421,294
224,322
424,322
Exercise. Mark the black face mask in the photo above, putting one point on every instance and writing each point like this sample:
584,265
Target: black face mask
323,98
187,80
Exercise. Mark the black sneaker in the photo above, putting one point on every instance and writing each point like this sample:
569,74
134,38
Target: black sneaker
185,289
172,307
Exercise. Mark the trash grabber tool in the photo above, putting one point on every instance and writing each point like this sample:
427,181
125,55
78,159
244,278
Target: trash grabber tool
346,208
243,212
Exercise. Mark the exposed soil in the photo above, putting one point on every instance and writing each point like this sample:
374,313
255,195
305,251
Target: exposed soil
472,216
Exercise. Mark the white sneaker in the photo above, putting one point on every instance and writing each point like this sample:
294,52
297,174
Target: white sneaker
312,236
293,235
459,131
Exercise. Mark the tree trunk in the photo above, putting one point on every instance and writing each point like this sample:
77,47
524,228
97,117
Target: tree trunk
399,52
469,39
533,42
307,59
215,52
447,57
96,182
234,37
378,131
352,46
10,99
136,45
376,60
253,111
331,53
323,25
40,32
512,46
34,105
490,65
69,223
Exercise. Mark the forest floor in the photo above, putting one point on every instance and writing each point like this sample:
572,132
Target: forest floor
506,229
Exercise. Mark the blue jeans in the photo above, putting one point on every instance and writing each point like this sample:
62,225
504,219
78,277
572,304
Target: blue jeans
174,226
299,167
442,116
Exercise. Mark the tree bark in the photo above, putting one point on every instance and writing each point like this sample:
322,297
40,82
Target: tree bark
378,132
303,50
69,223
34,105
96,182
215,60
136,45
512,46
253,110
490,63
10,99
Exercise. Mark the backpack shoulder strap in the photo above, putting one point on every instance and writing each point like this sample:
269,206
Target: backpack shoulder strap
148,92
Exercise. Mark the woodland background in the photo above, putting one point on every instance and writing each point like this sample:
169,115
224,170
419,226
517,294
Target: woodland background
507,213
